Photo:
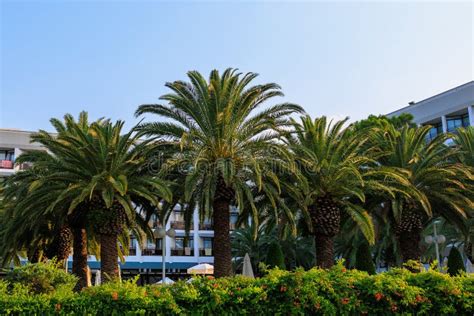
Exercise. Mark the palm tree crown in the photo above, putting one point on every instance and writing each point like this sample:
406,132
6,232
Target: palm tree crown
221,144
98,174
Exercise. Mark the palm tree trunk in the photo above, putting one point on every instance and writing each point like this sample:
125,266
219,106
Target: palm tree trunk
409,242
324,251
409,233
222,246
79,257
64,245
108,256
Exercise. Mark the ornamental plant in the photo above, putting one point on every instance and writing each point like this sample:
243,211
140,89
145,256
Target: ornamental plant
337,291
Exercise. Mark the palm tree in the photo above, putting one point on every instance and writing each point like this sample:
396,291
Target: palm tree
338,172
437,184
464,141
23,230
221,144
98,173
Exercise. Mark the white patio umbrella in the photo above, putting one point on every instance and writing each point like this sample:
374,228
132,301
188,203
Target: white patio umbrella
167,281
203,268
97,278
247,269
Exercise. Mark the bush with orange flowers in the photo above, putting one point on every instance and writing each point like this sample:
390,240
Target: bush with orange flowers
336,291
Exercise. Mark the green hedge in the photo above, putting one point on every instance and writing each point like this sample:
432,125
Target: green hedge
315,292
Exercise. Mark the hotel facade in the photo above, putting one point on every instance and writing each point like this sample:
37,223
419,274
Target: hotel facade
146,258
445,112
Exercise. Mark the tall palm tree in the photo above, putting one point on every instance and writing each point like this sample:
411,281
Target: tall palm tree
437,184
98,173
338,172
464,141
221,144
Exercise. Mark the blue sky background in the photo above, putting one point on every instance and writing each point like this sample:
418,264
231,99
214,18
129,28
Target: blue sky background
336,59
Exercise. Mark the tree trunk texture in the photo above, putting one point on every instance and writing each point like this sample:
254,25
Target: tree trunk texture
60,248
108,256
409,233
325,216
409,242
222,246
79,258
324,251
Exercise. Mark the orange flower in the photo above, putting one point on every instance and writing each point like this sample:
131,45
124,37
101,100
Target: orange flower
345,300
283,288
114,296
215,285
378,296
57,307
210,277
456,292
343,269
394,308
317,306
145,294
419,298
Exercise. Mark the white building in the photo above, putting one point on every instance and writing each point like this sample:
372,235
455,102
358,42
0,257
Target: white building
145,259
445,111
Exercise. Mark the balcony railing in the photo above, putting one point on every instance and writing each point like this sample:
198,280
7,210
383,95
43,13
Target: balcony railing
188,251
210,226
181,225
6,164
206,252
206,226
152,252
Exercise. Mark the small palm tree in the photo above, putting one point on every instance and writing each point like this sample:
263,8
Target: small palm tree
97,173
437,184
221,144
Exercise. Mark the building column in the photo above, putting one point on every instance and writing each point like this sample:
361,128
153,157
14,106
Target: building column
444,124
196,235
138,247
167,240
470,110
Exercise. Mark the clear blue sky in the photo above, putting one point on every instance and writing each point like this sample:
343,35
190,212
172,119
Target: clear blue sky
335,59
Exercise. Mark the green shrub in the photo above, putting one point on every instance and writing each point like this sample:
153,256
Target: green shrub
275,257
364,260
315,292
42,277
455,263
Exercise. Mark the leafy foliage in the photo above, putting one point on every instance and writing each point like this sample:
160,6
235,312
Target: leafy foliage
42,278
275,256
455,262
316,292
364,260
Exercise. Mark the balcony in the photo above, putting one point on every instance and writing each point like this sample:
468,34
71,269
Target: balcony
152,252
6,164
206,226
206,252
187,251
132,251
155,224
181,225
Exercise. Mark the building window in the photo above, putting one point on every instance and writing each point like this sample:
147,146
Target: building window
207,243
465,120
233,220
455,122
434,131
7,154
183,248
